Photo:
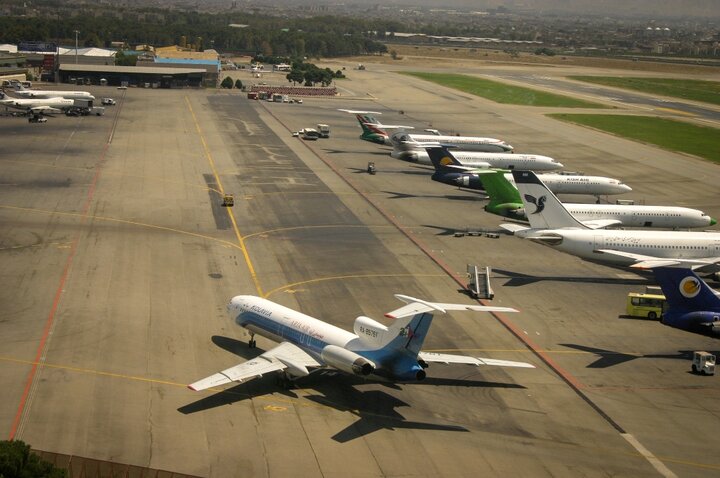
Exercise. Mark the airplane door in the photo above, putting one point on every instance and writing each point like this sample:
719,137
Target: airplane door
599,242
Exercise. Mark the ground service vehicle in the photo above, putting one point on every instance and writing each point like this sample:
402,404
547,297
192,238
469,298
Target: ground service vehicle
703,363
324,130
108,101
310,134
651,306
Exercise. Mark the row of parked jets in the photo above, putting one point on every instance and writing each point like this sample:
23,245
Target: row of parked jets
393,353
40,102
624,235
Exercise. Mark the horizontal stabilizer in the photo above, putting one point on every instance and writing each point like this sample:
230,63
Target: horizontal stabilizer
417,306
463,359
359,112
511,227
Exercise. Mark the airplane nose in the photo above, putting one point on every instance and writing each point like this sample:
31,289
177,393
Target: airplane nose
712,221
559,164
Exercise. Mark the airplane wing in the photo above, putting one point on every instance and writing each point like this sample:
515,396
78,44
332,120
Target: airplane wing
601,223
418,306
511,227
464,359
360,112
648,262
284,356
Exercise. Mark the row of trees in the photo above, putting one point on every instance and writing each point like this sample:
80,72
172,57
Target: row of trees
312,37
309,74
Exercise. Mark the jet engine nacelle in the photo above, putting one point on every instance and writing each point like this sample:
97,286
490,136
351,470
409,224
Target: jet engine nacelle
469,181
346,360
371,332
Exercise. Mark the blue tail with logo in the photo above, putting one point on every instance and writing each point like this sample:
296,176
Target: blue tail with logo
692,304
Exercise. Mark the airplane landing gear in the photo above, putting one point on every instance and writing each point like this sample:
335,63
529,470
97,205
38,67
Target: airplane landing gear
284,380
251,342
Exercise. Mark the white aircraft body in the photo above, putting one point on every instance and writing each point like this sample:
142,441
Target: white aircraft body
552,224
598,216
38,105
80,95
469,160
580,184
410,146
374,351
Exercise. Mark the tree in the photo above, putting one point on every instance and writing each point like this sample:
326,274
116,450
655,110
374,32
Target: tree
121,59
227,83
17,460
295,76
238,84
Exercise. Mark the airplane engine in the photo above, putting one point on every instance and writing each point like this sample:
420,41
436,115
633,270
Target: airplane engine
346,360
469,181
371,332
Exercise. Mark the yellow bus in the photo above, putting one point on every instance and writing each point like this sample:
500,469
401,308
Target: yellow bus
651,306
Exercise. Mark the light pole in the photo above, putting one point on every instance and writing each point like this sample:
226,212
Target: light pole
76,45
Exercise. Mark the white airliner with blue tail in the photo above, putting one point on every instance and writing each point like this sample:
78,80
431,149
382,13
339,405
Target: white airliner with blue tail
374,351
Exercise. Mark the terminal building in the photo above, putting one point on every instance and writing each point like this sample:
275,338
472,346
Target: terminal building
142,76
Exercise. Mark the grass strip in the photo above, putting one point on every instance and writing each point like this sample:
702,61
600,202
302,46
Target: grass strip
696,90
702,141
502,92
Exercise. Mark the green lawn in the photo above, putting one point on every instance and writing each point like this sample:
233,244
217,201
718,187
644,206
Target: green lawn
688,138
501,92
696,90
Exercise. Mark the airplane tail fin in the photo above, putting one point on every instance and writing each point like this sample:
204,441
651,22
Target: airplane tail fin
684,291
412,322
367,123
441,157
504,197
543,209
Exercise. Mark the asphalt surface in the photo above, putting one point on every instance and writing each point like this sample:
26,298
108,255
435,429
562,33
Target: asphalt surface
118,260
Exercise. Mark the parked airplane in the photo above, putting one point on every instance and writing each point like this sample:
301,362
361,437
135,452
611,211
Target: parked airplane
460,164
552,225
691,304
505,201
450,168
410,146
39,105
373,129
25,93
374,350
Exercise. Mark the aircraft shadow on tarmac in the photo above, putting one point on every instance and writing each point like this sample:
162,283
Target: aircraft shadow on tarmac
610,358
518,279
396,195
342,151
376,409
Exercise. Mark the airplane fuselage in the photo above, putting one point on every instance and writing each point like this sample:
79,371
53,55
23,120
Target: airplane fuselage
580,184
667,217
557,183
324,342
27,104
586,243
55,94
663,217
484,160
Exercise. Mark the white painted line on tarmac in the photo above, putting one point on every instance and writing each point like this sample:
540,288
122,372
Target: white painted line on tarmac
654,461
